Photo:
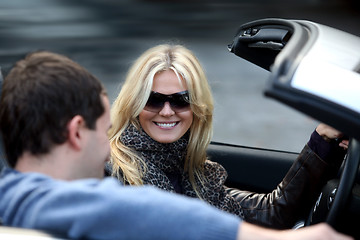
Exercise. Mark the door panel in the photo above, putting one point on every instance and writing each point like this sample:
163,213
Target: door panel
252,169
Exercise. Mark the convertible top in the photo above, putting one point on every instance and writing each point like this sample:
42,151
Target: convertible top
314,68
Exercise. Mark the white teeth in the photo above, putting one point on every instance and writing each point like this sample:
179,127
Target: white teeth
166,125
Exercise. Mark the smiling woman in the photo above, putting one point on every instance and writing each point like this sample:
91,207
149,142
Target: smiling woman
167,70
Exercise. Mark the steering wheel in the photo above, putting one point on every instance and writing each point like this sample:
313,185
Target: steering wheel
335,194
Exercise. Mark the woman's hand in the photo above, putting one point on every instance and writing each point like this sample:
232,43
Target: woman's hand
328,133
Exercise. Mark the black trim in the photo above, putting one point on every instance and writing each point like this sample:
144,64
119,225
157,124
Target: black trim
261,41
247,147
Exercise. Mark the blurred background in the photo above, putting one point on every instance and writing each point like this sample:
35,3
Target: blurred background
106,36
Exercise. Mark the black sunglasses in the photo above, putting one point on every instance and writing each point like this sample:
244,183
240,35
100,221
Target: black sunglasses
179,101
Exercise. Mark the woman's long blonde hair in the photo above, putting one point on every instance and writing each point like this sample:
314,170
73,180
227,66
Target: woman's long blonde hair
133,96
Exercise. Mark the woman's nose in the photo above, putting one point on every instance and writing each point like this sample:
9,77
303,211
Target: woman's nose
166,110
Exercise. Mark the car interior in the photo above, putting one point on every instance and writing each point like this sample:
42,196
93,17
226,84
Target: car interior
282,46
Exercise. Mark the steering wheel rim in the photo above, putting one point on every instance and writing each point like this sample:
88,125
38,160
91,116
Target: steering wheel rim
346,183
336,192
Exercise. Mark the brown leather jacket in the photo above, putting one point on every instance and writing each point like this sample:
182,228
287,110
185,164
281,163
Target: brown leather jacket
292,198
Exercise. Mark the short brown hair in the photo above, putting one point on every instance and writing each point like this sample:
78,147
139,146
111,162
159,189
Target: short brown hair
40,95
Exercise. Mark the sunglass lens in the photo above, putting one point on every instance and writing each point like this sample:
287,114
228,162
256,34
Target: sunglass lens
180,102
155,102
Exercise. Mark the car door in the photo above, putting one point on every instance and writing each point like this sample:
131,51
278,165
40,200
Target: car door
252,169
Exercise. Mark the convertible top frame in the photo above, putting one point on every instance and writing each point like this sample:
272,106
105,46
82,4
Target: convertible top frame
288,48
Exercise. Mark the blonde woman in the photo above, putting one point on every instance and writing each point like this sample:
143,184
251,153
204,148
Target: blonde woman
162,126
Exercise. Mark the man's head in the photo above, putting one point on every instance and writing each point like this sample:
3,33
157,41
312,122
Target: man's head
41,95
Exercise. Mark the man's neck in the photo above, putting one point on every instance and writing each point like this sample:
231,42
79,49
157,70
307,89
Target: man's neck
47,164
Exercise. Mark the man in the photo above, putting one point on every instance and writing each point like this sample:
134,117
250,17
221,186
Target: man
54,117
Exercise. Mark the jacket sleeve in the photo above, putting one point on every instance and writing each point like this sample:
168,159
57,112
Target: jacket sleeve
104,210
292,198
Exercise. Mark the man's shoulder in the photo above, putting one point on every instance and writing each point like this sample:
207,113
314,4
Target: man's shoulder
12,181
11,178
8,175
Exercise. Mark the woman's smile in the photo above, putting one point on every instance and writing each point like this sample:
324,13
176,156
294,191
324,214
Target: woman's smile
166,125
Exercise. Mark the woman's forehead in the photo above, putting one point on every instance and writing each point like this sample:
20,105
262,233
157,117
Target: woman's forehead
167,82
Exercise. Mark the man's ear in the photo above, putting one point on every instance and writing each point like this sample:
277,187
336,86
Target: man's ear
76,126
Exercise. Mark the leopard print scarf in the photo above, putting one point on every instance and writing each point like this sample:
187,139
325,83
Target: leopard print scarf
164,159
